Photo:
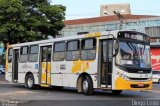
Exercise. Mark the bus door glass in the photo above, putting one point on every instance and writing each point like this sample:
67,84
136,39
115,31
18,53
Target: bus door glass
106,62
46,64
15,64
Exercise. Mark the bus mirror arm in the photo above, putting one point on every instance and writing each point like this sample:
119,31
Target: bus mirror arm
116,47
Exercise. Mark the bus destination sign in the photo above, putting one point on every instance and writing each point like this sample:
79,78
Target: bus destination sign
134,36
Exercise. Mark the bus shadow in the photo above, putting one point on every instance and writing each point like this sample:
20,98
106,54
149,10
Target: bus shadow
68,90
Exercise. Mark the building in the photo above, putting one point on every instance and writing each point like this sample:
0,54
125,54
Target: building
108,10
144,23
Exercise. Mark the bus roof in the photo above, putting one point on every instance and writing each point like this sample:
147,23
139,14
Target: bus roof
96,34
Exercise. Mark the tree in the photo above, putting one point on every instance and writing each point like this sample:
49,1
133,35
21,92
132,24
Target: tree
42,19
11,16
29,20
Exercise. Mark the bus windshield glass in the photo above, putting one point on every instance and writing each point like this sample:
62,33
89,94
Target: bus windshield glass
133,54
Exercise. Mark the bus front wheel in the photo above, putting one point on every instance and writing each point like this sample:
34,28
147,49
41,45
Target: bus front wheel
87,86
30,81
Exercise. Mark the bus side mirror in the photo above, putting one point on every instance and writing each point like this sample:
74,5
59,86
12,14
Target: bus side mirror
116,47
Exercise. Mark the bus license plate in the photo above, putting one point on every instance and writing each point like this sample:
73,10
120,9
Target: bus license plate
140,85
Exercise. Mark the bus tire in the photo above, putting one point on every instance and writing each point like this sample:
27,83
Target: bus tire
87,86
30,81
116,92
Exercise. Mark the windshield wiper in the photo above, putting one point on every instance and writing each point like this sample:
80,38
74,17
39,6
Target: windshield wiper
132,47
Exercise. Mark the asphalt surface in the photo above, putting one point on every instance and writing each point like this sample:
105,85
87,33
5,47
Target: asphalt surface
18,95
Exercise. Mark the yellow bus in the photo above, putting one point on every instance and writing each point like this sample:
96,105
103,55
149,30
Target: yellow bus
111,60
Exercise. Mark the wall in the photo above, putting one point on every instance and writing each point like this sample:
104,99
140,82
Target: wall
138,25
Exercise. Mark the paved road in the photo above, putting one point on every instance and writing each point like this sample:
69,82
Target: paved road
25,97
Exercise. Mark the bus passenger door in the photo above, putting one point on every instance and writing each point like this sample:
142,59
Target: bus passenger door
106,63
46,65
15,65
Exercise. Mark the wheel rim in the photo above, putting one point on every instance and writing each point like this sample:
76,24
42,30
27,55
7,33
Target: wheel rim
85,85
30,82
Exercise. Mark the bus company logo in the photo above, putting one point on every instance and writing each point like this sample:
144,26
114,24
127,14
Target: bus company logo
24,66
36,66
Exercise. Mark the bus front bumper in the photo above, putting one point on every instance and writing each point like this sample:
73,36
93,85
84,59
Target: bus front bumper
122,84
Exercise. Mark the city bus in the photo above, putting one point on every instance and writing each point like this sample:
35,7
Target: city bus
112,60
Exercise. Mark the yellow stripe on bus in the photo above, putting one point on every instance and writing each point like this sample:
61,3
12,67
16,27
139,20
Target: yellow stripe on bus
6,60
81,66
96,34
49,73
43,76
49,67
43,65
44,85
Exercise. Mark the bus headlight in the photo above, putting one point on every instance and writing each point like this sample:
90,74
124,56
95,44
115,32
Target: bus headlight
123,76
150,78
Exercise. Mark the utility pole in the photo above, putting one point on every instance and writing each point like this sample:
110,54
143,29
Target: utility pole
120,18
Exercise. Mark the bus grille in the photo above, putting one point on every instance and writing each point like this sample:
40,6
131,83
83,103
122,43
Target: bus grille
140,71
138,78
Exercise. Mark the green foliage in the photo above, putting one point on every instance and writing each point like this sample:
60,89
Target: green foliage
11,15
29,20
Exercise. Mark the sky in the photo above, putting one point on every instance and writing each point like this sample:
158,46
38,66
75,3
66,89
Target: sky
77,9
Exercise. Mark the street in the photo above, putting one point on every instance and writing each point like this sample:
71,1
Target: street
17,92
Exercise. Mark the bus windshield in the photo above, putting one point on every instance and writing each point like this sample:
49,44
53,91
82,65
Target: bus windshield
133,55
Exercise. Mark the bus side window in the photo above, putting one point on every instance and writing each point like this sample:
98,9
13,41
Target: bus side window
10,54
24,54
44,56
49,54
33,53
88,51
73,52
59,51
